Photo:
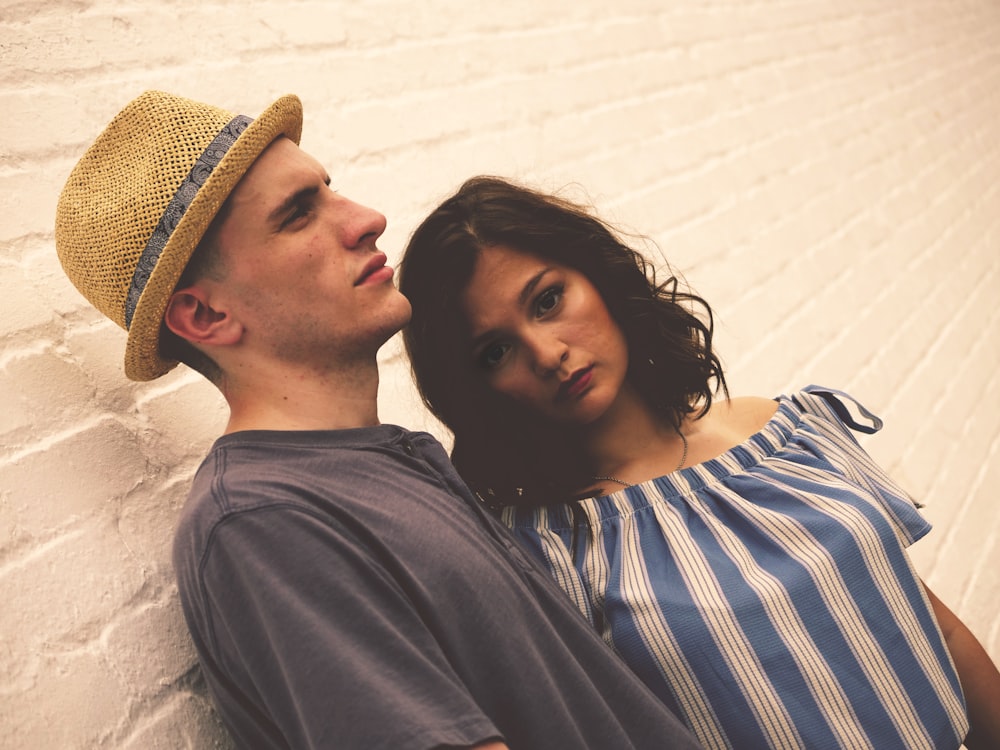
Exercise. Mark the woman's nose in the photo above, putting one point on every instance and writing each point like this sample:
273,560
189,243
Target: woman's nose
548,354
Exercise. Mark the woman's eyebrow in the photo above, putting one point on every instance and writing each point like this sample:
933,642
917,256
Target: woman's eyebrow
529,287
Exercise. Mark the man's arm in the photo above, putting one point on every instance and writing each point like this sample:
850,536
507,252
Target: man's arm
978,675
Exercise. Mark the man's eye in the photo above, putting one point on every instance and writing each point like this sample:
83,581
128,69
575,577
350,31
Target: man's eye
295,215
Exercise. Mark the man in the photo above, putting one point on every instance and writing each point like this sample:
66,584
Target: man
342,586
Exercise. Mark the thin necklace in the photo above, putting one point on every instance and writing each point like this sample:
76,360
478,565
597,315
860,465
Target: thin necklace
684,456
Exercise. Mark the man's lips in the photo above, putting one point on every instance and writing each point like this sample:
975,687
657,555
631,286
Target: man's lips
375,270
577,383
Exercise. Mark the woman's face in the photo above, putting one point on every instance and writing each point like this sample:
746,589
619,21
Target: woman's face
542,336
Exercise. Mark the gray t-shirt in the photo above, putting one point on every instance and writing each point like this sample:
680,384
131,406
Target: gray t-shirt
344,590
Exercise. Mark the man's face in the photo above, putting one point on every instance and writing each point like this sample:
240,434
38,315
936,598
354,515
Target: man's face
301,271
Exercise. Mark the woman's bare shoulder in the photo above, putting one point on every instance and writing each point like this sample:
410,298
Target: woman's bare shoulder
727,424
742,416
753,410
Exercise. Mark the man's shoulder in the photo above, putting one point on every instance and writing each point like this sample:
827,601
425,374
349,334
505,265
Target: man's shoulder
329,476
242,473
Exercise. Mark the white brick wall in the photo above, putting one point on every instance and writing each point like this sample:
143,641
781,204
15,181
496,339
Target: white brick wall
827,174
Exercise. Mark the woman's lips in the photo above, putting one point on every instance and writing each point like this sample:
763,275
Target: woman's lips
578,382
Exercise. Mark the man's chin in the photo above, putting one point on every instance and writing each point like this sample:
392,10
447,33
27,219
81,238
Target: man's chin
404,313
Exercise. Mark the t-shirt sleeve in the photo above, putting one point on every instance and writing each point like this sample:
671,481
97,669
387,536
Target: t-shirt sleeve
840,415
334,651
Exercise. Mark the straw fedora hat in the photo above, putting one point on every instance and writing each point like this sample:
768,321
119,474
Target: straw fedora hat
140,199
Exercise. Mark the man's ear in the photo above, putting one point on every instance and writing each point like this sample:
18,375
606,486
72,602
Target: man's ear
191,315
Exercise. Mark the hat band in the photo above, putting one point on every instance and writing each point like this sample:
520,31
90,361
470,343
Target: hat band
178,206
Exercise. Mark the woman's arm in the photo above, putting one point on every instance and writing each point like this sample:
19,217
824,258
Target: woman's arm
978,675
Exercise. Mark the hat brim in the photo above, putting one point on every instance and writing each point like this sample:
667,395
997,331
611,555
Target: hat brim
142,350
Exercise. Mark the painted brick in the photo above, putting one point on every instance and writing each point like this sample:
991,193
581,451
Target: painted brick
72,476
184,420
149,648
22,307
37,717
23,393
185,721
145,521
65,587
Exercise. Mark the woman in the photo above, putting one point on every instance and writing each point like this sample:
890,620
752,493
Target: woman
744,556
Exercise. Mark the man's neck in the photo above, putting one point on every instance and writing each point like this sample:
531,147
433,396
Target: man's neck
292,400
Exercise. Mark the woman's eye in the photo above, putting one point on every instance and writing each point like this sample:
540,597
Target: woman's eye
493,355
548,300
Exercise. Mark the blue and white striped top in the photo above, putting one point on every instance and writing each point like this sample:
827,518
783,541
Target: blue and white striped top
766,595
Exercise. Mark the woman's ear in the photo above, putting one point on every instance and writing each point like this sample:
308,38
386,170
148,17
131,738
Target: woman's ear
191,315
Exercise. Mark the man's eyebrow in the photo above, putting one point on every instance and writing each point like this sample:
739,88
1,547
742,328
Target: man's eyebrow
526,291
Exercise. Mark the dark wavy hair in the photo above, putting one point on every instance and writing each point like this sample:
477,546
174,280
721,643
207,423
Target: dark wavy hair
505,453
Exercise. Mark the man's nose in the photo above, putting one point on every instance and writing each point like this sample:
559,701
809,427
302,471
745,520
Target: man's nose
362,225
